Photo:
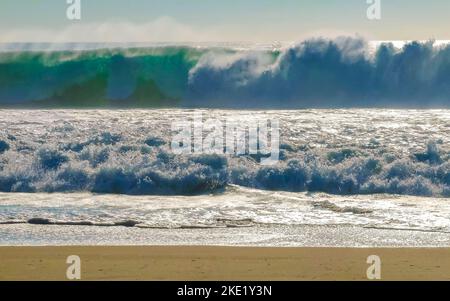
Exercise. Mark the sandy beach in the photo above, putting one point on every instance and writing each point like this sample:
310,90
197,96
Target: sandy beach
222,263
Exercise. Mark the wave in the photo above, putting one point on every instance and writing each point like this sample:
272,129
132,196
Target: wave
104,165
96,78
343,72
329,73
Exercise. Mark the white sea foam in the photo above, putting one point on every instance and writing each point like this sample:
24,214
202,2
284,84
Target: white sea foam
341,152
236,207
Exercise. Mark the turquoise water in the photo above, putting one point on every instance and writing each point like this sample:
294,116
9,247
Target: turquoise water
340,73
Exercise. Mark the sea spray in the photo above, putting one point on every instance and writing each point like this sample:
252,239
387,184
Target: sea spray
355,74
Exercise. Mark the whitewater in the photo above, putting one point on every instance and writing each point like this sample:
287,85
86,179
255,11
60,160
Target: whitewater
110,177
358,151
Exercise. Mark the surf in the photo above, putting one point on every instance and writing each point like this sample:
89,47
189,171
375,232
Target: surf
129,152
357,73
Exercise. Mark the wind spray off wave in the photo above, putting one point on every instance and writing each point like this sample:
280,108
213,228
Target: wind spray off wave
344,72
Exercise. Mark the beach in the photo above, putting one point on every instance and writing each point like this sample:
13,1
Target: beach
222,263
251,141
347,181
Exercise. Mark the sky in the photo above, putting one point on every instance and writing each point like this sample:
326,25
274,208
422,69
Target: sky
220,20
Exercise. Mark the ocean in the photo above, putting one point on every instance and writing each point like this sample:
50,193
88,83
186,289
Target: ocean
344,177
129,143
345,72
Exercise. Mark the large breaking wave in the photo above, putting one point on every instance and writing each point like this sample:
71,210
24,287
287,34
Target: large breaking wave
344,72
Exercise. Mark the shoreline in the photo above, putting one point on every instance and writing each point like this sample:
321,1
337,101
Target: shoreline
222,263
260,235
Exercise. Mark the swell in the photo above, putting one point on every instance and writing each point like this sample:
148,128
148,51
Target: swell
96,78
344,72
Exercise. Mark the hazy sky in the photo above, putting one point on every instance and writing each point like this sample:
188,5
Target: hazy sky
220,20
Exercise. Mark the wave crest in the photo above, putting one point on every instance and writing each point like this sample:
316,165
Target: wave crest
343,72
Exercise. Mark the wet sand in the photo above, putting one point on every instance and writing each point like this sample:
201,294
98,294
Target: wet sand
222,263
